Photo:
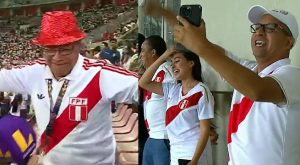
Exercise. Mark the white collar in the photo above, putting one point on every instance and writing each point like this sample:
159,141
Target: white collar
269,69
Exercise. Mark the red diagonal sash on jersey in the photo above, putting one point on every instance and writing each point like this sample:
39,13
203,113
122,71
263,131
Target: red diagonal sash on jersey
62,125
147,95
147,125
173,111
160,76
237,115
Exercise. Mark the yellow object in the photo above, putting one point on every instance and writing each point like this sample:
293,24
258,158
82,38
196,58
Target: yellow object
21,141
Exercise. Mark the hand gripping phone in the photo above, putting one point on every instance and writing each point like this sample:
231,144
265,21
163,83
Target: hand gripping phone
192,13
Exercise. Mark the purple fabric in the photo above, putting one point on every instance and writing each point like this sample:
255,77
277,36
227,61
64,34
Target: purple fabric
8,126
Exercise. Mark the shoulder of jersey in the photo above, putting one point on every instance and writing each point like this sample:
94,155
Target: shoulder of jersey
38,62
89,63
205,90
204,87
167,68
106,65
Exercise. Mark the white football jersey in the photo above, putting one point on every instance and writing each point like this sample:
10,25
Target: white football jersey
82,131
261,133
155,105
183,116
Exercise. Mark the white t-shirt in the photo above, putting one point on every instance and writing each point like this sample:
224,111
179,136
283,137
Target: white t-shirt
261,133
183,120
155,105
82,130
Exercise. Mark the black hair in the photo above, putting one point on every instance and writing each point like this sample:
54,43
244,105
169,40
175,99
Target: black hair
140,39
196,70
157,43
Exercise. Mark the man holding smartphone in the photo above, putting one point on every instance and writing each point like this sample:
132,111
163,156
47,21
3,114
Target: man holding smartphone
266,99
266,102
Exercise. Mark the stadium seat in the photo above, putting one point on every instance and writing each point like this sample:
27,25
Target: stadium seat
130,137
128,147
128,127
117,113
121,115
128,159
124,120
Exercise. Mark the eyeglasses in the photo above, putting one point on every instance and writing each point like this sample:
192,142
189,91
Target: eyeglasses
63,51
269,28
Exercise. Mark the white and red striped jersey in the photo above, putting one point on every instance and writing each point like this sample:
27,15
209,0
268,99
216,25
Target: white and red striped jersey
183,116
155,105
82,131
262,133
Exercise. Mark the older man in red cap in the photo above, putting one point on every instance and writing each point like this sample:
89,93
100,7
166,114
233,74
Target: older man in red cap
71,95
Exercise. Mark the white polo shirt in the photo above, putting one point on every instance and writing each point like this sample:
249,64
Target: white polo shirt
155,105
183,116
261,133
82,130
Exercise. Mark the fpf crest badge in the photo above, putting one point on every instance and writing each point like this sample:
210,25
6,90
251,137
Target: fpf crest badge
183,104
78,109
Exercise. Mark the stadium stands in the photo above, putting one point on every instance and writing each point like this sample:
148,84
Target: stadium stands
126,136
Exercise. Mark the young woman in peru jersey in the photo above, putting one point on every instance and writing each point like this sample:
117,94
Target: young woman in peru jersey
189,107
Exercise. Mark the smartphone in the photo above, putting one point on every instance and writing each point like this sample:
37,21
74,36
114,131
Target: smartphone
192,13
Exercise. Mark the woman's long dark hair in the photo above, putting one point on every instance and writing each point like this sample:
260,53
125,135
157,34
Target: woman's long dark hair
196,70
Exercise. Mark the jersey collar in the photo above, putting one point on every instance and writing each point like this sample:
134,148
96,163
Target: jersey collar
269,69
